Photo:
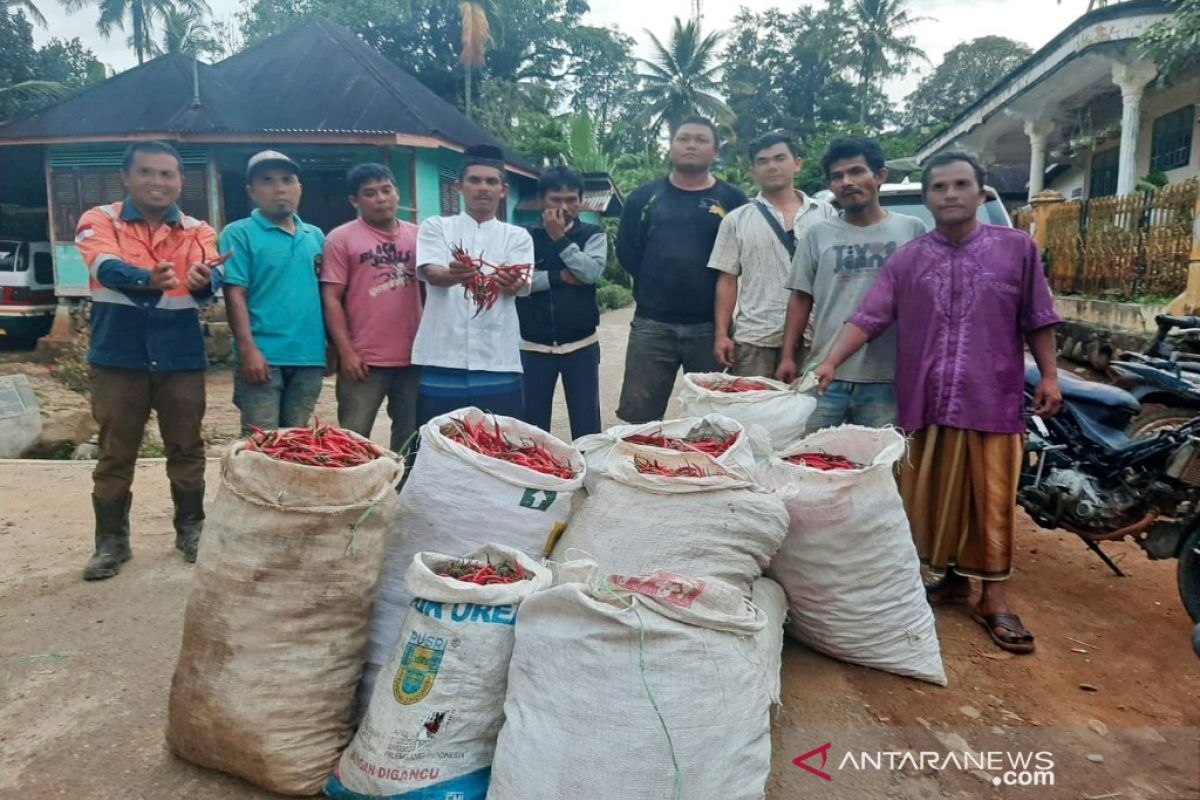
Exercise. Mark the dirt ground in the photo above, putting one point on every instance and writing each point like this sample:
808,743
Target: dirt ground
85,668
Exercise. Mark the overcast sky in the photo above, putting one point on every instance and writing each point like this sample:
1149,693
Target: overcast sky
950,22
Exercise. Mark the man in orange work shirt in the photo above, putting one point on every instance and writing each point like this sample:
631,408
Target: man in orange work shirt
150,272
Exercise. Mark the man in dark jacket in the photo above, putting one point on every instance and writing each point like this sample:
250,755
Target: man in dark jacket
666,237
559,317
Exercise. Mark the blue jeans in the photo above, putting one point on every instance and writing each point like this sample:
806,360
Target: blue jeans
286,400
845,403
446,390
581,384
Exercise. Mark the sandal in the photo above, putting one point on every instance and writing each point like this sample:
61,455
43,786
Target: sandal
1013,637
937,594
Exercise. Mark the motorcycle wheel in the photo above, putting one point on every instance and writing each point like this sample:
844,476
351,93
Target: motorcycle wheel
1149,423
1189,575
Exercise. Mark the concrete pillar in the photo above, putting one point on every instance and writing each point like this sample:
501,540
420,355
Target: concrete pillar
1038,131
1042,203
1132,80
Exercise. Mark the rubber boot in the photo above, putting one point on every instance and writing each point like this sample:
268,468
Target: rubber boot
189,521
112,537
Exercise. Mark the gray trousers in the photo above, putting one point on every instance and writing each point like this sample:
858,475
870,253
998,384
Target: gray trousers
655,352
359,402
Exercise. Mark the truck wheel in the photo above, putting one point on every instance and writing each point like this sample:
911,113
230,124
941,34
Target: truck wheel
1189,574
1161,418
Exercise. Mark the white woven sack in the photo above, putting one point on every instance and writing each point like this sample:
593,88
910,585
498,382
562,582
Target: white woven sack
782,410
769,597
849,565
457,500
636,688
431,727
720,525
740,459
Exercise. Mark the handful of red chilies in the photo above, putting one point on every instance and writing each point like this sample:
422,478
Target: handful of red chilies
315,446
484,288
484,574
822,461
491,441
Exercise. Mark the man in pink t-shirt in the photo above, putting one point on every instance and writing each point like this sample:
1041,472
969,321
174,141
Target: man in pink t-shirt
373,307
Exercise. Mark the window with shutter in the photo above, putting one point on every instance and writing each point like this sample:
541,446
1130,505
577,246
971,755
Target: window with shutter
447,197
76,189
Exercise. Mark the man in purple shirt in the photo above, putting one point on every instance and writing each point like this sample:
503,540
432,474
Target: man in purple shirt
964,299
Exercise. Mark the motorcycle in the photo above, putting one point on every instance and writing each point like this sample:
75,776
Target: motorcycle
1165,377
1083,473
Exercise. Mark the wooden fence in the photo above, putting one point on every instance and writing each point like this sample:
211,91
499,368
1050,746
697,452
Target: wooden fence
1131,246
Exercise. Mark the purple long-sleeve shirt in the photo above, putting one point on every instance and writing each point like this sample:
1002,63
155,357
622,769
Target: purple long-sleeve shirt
962,313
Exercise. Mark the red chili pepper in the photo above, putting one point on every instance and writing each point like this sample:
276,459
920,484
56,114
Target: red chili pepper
483,574
493,443
648,466
315,446
709,446
736,385
823,461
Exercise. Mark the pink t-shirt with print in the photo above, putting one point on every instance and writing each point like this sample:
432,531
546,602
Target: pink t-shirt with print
383,297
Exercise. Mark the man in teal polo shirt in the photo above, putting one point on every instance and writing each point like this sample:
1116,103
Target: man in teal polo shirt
274,300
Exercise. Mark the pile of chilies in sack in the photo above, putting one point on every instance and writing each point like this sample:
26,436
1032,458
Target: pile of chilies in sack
736,386
484,574
648,466
484,288
822,461
490,441
316,446
709,446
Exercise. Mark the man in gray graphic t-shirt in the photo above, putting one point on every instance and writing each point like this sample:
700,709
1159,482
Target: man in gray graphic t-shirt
834,267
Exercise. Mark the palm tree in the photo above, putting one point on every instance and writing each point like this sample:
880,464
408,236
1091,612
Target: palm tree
476,36
477,17
185,31
141,15
883,46
28,6
682,77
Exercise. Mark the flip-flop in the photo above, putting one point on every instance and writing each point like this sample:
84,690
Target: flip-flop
1021,641
936,595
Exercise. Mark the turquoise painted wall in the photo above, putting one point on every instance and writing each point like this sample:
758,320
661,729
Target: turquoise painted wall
432,164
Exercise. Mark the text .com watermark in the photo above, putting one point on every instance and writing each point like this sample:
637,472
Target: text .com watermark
1006,768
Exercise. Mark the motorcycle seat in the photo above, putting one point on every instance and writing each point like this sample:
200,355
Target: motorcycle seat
1084,391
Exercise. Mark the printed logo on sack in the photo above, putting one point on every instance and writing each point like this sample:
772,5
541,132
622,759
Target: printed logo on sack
538,499
418,668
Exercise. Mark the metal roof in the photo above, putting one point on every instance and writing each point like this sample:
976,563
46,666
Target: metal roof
316,78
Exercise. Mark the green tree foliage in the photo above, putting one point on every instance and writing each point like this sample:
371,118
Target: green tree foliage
967,71
681,79
885,50
138,17
30,77
188,31
791,72
1174,43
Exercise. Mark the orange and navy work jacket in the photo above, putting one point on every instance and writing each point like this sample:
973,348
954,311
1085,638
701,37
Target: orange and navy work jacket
134,326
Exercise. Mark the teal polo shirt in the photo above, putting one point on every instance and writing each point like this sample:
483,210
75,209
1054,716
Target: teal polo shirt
279,272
